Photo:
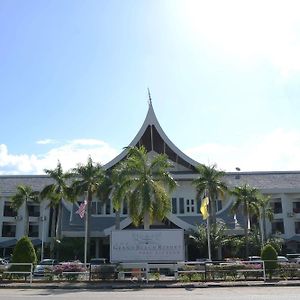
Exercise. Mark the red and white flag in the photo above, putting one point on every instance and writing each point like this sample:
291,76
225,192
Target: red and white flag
81,210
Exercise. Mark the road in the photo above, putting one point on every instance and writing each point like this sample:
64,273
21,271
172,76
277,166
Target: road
236,293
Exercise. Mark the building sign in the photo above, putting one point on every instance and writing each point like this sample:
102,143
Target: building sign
147,245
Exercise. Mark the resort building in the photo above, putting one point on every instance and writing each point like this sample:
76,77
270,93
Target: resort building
283,187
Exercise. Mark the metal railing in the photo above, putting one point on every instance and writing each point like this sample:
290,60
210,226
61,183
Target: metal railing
10,270
186,270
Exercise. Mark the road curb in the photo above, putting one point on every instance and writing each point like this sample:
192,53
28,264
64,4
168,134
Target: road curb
112,286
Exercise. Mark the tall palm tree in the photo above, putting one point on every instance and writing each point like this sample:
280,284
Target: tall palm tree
90,179
210,183
146,184
266,212
247,199
118,193
56,192
23,195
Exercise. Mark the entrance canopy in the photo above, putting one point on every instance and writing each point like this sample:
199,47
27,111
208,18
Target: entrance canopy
8,243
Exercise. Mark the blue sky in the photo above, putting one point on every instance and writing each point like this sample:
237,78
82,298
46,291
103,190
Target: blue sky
224,78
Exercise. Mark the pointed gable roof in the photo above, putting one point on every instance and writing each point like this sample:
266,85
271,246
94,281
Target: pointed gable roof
153,138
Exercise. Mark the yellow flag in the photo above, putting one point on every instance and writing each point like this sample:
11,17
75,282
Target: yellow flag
203,208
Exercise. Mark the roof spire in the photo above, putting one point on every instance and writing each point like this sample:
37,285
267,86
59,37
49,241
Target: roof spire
149,96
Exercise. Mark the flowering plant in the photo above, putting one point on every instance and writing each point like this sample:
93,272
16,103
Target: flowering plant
68,267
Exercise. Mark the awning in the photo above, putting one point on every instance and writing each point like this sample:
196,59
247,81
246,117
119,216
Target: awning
36,242
8,243
294,238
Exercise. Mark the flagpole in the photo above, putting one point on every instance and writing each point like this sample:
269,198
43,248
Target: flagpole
86,229
85,239
205,211
82,211
208,227
208,238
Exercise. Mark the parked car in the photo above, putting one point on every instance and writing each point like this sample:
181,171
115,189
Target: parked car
282,259
7,259
44,266
293,257
97,261
254,258
3,265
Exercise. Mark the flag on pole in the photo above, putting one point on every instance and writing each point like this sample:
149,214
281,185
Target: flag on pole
204,209
81,210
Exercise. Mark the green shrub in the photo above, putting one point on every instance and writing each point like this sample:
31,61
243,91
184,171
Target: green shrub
197,277
184,278
155,276
289,270
23,253
269,256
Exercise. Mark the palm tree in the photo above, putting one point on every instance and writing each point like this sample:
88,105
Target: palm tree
146,184
218,238
90,179
24,194
56,192
210,183
247,198
118,193
266,212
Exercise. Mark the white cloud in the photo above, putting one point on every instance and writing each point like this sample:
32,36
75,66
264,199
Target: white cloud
69,154
46,141
279,150
247,31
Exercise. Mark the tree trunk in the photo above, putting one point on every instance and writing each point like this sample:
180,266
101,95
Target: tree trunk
264,225
53,226
146,221
262,236
58,229
58,223
246,220
118,219
212,210
26,220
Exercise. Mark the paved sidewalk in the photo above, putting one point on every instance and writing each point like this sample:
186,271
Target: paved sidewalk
142,285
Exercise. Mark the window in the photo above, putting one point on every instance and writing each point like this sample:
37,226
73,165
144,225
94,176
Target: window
181,205
33,230
33,210
174,205
105,208
8,211
276,206
296,207
277,227
297,227
8,229
190,205
219,205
